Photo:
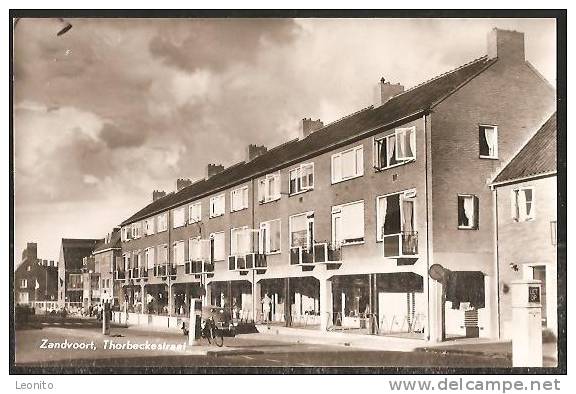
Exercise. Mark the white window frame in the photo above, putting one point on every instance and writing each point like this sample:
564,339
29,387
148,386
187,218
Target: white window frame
309,218
408,193
234,251
158,255
136,230
264,244
395,137
263,187
213,236
476,208
162,222
197,241
213,206
337,178
175,244
244,195
147,252
24,283
516,214
337,212
182,211
495,153
299,176
192,217
149,226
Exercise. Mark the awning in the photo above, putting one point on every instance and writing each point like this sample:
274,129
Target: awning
465,286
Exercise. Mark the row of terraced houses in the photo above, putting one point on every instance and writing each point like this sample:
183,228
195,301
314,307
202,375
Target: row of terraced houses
338,229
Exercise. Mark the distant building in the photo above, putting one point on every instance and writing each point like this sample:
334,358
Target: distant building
70,269
35,280
105,257
525,194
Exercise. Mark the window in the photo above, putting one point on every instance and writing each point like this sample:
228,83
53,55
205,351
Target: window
126,258
217,207
126,233
136,230
522,204
395,149
24,283
162,255
163,222
239,199
395,214
348,223
269,188
75,281
301,178
302,230
217,247
467,212
239,241
195,212
149,258
194,249
29,268
270,236
136,259
178,253
348,164
488,139
149,226
178,218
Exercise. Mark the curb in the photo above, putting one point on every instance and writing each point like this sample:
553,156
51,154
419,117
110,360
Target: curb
506,356
232,352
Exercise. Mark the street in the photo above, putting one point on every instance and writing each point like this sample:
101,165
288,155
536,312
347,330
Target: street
38,347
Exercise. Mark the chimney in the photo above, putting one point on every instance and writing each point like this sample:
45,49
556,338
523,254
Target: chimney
255,150
309,126
506,45
384,91
157,194
214,169
182,183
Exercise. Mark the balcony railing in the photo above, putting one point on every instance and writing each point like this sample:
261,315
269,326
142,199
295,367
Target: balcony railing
245,262
404,244
197,267
160,270
322,252
143,272
135,273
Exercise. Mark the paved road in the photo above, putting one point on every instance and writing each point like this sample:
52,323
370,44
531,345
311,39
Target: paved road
247,351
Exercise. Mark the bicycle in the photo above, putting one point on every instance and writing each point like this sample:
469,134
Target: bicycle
212,333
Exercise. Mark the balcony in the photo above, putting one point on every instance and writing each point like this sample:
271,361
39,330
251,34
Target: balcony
401,245
135,273
143,272
160,270
198,267
322,253
247,262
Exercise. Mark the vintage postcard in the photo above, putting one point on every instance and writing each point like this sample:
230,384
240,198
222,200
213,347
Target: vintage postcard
299,193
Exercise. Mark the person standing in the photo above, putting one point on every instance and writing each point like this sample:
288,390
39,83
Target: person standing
266,301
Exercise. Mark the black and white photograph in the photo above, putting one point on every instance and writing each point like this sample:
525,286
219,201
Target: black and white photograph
288,192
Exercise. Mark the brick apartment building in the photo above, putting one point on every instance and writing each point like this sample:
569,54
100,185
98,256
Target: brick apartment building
338,229
525,193
104,257
71,268
35,280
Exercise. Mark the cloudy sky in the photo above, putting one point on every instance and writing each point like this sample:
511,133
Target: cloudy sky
113,109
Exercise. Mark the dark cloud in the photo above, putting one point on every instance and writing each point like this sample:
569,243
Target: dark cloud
218,44
114,137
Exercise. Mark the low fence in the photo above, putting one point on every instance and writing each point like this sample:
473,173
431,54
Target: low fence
149,320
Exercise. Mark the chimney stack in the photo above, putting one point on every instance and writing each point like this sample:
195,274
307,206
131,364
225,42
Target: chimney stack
181,183
309,126
214,169
384,91
506,45
157,194
255,150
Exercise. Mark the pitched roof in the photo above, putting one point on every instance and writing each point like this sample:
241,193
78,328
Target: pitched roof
537,157
400,108
74,250
113,243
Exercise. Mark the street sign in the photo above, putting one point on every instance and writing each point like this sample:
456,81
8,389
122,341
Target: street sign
534,294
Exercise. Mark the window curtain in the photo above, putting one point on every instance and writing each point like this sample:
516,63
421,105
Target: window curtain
490,140
359,161
274,234
469,210
401,141
522,208
382,206
411,146
150,262
382,154
390,149
408,211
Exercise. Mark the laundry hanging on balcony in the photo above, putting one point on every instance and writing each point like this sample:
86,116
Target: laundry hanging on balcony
465,286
